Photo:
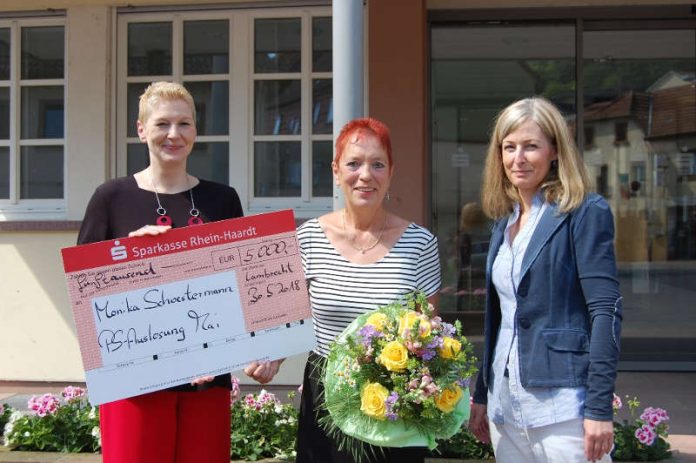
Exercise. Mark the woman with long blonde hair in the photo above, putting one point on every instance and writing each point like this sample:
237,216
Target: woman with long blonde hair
553,308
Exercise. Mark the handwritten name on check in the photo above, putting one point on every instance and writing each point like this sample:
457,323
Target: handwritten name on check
156,312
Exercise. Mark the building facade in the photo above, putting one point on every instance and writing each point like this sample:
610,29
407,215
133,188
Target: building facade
436,71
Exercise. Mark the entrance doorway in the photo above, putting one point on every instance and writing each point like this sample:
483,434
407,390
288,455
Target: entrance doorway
628,91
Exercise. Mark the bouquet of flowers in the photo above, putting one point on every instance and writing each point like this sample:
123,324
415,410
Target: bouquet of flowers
398,377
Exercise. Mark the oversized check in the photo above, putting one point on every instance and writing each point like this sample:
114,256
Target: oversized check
155,312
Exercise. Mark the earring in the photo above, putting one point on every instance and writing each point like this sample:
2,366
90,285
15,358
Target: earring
388,196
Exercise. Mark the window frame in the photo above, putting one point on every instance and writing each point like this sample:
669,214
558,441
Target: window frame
241,78
177,20
305,205
16,208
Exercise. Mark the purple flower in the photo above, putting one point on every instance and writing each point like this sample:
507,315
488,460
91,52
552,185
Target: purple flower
250,401
463,382
73,392
47,404
645,435
235,393
654,416
616,403
430,350
448,330
428,354
390,403
266,397
367,333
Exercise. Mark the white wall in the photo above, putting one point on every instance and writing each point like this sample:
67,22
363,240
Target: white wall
37,333
88,97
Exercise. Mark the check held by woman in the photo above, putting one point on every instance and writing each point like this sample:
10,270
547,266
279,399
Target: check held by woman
188,423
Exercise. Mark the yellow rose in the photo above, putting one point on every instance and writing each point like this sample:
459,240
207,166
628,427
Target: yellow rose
448,399
450,348
378,320
372,400
424,327
409,320
394,356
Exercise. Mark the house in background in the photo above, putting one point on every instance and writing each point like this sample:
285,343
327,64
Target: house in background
436,71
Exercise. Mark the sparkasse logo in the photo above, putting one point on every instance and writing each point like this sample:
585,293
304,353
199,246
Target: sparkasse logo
118,252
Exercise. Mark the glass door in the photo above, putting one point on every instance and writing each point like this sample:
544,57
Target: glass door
636,128
475,72
639,118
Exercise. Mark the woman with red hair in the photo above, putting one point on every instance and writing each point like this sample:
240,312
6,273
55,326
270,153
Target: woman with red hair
357,259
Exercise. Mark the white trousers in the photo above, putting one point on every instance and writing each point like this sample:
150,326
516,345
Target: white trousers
556,443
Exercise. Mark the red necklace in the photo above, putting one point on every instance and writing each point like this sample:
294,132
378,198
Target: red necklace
164,219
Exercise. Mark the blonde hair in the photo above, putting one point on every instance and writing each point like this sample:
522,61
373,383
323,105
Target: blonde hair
159,91
471,217
566,184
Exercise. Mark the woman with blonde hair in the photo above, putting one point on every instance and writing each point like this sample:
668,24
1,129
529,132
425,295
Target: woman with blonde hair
188,423
553,308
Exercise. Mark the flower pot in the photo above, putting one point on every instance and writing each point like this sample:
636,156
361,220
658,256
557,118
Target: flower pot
452,460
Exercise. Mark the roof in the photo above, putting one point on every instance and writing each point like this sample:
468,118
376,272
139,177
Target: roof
673,111
660,113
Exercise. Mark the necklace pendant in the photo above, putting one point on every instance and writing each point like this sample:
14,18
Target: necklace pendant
164,220
195,220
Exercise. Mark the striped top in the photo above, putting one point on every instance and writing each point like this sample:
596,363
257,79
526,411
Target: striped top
340,290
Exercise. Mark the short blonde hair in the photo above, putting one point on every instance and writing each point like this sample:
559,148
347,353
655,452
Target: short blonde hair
567,182
159,91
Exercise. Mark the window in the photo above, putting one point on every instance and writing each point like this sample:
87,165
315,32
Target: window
603,181
32,117
202,65
292,145
589,136
262,84
637,179
620,132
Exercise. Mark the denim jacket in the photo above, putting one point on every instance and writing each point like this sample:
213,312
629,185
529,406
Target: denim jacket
569,310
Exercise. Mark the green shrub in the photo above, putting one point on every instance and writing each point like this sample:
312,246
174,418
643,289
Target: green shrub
642,438
55,424
463,445
263,427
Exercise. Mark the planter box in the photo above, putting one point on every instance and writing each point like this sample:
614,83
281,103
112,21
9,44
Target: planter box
466,460
453,460
9,456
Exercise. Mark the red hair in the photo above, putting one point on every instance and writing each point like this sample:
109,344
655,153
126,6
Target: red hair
369,125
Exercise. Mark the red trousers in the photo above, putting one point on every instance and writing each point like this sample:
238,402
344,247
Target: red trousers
167,427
